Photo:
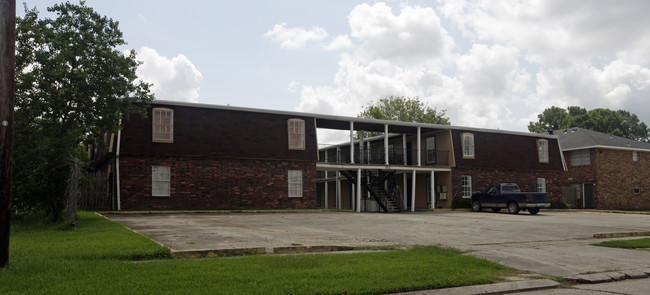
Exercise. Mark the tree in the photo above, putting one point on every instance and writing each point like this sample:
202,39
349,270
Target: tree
404,109
620,123
72,85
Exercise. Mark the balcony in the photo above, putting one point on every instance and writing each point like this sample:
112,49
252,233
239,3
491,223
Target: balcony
405,157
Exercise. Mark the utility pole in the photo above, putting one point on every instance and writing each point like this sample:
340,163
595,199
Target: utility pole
7,95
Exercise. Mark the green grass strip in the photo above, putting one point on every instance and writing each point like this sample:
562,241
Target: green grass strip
98,258
627,244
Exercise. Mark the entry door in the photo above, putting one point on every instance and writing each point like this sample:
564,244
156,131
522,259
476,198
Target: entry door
588,195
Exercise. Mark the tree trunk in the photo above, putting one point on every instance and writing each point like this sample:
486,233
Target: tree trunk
7,95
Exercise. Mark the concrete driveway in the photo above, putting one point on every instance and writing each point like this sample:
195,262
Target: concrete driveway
552,243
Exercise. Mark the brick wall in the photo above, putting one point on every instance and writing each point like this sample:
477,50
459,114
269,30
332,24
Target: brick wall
526,179
616,175
211,183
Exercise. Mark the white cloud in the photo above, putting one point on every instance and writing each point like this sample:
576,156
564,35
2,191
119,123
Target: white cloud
173,79
295,38
340,42
514,60
293,86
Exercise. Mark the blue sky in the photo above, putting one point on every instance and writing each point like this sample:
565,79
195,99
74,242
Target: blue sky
489,64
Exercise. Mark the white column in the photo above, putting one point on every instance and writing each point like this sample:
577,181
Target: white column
433,190
386,143
413,192
404,148
353,197
369,153
351,142
358,190
419,149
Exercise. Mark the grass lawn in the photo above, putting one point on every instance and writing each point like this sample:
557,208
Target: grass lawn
628,244
101,256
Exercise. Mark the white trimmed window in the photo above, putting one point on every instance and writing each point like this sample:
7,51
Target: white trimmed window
296,134
637,188
542,150
635,156
580,157
162,125
160,181
541,185
295,183
467,186
468,145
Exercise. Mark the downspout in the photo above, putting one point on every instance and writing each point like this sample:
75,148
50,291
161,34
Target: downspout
117,167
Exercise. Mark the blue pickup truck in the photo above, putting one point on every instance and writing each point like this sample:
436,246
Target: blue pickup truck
508,195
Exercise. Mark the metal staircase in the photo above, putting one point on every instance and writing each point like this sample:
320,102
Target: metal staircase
379,185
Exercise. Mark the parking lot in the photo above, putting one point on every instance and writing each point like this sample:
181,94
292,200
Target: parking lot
553,243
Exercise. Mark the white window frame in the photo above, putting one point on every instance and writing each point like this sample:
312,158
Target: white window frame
635,156
295,183
580,157
637,188
541,185
468,145
162,125
542,150
466,184
160,181
296,132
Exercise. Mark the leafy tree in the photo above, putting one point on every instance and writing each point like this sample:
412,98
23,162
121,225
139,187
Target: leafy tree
403,109
72,84
620,123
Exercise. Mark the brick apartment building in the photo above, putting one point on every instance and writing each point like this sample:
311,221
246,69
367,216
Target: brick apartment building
605,171
198,156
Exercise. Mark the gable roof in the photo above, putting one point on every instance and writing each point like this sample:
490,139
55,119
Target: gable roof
580,138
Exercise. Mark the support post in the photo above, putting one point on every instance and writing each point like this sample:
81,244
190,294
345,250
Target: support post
337,201
386,143
406,194
351,142
7,96
413,192
327,184
362,159
419,150
358,190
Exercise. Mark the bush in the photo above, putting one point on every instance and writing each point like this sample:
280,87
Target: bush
559,205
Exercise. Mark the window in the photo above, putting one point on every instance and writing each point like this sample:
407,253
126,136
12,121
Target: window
637,188
541,185
163,125
296,134
295,183
160,181
635,156
468,145
542,150
467,186
430,143
580,157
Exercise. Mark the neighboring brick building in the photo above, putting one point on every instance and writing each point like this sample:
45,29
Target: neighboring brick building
197,156
605,171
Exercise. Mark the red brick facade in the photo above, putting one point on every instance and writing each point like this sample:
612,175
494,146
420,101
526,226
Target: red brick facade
613,174
211,183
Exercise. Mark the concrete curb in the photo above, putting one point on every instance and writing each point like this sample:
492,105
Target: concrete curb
498,288
258,251
606,277
621,234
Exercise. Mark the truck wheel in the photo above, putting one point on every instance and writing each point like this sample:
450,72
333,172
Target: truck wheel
476,206
533,211
496,210
513,208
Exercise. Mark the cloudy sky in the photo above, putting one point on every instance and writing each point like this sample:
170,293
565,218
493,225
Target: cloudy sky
489,64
